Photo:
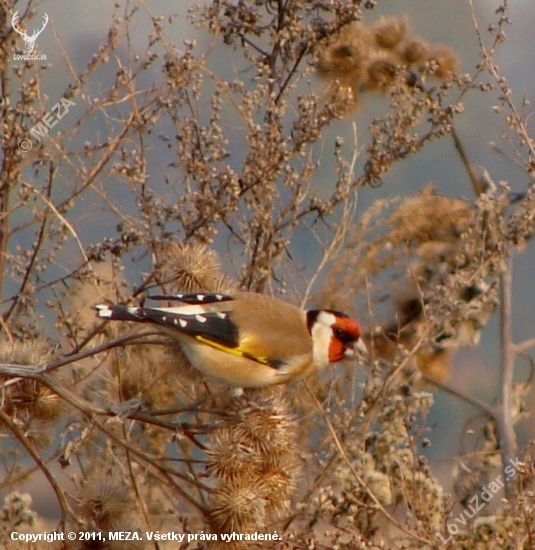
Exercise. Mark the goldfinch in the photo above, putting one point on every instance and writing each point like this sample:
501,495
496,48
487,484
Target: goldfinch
249,340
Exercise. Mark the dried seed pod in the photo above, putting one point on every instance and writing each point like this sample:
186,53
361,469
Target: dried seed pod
344,58
388,32
29,400
194,267
414,51
381,75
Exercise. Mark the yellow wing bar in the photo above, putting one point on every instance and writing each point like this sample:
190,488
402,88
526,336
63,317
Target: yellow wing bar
234,351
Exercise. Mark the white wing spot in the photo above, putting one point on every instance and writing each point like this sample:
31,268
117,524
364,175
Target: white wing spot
164,318
200,318
175,321
200,297
104,311
221,315
183,323
219,296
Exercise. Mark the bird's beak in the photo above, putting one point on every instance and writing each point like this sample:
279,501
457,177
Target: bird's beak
358,348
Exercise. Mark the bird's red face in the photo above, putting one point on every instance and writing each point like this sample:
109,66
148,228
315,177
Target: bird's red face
345,339
334,336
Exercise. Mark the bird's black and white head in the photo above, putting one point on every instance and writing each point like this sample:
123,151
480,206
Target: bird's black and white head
335,336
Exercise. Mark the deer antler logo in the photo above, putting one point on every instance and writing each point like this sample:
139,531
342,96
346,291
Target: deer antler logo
29,40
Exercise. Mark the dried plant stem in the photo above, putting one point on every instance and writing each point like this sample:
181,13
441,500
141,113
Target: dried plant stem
4,228
477,185
485,407
504,419
30,371
523,346
139,497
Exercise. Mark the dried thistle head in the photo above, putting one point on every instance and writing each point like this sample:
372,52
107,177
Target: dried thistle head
32,398
360,59
388,32
345,56
341,61
278,484
445,61
229,456
237,507
263,418
380,75
413,51
254,461
106,502
194,267
27,352
29,400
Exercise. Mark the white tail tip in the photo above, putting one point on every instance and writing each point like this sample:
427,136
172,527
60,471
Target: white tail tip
103,311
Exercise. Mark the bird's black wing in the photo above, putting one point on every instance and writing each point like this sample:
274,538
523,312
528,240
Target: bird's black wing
195,298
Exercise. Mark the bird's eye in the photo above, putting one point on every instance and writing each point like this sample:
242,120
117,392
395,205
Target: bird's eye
342,335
